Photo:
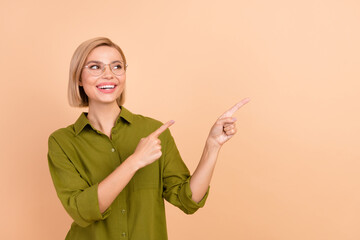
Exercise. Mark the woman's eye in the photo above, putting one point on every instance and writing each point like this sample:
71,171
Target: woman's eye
118,66
94,66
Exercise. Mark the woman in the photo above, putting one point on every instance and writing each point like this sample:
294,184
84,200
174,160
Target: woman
113,168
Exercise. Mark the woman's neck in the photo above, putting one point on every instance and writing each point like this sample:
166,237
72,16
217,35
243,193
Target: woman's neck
103,116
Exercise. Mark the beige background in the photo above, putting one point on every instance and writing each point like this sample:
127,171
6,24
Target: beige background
291,172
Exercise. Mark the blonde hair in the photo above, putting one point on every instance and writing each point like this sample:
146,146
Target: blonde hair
76,94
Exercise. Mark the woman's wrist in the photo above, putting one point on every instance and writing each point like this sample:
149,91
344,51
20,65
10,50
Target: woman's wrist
133,163
212,144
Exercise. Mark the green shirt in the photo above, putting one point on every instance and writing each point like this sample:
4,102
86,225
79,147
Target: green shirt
80,157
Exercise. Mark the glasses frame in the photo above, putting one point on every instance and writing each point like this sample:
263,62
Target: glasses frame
103,69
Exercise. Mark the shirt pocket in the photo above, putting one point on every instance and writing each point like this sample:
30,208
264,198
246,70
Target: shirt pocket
147,177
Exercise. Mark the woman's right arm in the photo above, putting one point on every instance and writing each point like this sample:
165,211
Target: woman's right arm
112,185
147,151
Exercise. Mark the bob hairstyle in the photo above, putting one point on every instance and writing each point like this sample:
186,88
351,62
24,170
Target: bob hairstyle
76,94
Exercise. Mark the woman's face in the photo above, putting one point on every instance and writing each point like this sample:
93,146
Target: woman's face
106,87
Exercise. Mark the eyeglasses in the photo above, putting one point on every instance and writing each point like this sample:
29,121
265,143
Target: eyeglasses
96,68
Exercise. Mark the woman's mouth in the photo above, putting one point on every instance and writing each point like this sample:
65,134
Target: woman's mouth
106,87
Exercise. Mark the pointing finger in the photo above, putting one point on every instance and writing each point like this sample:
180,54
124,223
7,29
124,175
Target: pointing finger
161,129
234,108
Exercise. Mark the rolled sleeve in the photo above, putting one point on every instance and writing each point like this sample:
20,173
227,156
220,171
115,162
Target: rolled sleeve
176,179
88,205
78,196
185,197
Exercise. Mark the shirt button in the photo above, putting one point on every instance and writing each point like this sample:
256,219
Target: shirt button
123,211
123,234
113,149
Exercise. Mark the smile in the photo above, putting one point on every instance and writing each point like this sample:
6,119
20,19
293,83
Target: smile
106,87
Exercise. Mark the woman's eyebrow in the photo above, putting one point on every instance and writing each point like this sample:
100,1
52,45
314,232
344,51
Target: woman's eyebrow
94,61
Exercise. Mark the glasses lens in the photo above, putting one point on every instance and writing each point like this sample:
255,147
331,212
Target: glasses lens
117,68
95,68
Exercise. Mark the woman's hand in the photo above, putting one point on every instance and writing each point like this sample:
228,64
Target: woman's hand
224,127
148,149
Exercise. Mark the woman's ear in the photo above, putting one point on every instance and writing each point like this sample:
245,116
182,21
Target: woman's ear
80,83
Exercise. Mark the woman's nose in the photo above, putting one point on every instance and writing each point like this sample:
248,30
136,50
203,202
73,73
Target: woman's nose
107,71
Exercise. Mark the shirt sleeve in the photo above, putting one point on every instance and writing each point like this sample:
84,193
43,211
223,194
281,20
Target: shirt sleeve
79,198
176,179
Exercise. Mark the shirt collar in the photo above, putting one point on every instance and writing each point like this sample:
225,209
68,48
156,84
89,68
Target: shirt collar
82,121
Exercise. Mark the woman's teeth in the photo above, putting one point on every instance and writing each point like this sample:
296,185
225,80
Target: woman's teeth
107,87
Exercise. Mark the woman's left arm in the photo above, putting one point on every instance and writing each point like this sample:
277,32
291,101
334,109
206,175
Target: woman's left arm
223,129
